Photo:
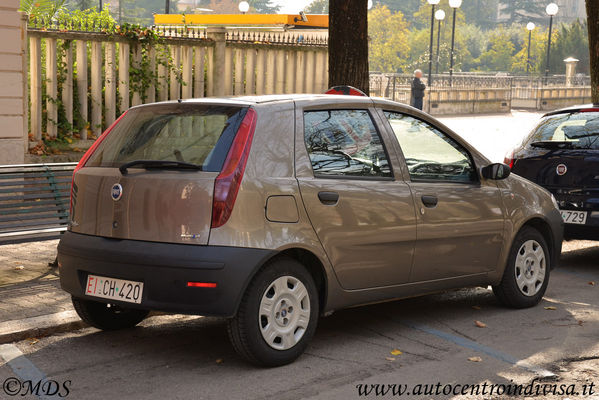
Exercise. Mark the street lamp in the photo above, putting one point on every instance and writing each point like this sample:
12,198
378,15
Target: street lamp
244,7
551,10
530,26
455,4
100,6
433,3
167,6
439,16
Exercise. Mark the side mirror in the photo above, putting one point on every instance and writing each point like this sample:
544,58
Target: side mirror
496,172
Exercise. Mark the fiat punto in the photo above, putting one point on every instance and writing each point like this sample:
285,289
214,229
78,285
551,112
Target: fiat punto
271,211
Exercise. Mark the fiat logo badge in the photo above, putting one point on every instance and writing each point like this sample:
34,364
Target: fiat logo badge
116,192
561,169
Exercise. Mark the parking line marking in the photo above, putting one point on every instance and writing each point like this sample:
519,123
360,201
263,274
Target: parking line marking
22,367
463,342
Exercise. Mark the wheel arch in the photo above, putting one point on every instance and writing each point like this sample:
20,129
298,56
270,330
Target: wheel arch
305,257
544,228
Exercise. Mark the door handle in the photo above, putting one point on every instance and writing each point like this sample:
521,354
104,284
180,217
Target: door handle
429,201
328,198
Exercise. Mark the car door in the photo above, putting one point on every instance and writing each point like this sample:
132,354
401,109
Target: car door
460,216
362,215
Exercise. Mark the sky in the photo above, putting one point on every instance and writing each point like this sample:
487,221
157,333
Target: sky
291,6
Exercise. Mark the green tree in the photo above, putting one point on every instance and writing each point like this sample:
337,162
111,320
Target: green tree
498,56
264,6
537,52
318,7
482,13
389,42
570,41
521,11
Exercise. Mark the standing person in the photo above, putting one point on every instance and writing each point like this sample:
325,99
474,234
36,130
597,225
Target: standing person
418,87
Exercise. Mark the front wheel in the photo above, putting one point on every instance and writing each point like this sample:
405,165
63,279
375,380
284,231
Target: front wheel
107,317
527,271
277,316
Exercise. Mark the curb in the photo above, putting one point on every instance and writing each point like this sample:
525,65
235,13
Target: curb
12,331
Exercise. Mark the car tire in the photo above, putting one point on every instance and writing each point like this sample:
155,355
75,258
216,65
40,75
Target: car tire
107,317
277,316
526,274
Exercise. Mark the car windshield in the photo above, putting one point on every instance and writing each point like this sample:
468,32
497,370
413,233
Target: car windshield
579,130
198,135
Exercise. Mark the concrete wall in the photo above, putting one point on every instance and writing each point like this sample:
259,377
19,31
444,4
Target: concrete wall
13,120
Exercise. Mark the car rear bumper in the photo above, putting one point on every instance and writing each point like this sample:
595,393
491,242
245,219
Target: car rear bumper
588,231
164,269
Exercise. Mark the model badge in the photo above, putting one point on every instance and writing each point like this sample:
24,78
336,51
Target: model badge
561,169
116,192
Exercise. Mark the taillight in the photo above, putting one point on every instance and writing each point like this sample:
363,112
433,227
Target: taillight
88,154
228,181
509,159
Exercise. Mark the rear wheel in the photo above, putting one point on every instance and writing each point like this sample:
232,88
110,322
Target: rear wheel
277,316
107,317
527,272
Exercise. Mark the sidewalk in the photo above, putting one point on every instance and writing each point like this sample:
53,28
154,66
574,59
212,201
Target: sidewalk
31,301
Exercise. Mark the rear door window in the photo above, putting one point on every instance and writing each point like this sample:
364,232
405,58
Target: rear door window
573,130
345,143
197,134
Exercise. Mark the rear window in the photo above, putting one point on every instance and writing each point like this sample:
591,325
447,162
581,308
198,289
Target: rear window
575,130
191,133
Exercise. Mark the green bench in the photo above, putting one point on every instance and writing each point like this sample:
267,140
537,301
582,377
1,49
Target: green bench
34,201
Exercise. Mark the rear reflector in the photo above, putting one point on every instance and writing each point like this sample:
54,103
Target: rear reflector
88,154
201,284
226,185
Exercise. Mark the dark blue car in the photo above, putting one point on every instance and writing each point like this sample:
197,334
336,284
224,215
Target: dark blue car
562,155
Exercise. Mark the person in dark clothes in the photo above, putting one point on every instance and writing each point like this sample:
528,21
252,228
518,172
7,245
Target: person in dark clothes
418,87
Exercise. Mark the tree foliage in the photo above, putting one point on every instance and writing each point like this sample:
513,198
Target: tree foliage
389,40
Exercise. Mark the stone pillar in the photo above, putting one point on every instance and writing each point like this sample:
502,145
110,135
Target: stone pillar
570,70
13,80
218,35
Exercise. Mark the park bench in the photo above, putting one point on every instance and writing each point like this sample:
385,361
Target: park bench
34,201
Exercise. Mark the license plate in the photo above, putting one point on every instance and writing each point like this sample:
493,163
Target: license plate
574,217
114,289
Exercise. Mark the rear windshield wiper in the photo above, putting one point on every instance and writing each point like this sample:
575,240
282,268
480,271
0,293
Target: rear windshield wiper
147,164
552,144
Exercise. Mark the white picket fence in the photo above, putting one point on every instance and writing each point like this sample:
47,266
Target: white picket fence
214,62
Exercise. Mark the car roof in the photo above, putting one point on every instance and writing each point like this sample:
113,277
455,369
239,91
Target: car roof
263,99
573,109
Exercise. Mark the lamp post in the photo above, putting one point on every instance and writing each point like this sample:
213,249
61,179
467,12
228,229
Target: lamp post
551,10
100,6
244,7
433,3
167,6
530,26
439,16
455,4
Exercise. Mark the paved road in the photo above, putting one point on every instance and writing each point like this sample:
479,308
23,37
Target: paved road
180,357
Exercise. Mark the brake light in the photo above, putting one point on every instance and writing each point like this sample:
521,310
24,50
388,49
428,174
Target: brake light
509,159
228,181
594,109
88,154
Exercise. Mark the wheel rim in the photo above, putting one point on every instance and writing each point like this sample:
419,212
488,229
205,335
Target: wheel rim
284,313
530,268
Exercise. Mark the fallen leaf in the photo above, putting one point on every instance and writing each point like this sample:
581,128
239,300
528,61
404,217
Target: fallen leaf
33,341
390,358
19,267
550,308
480,324
591,283
476,307
396,352
219,360
475,359
580,322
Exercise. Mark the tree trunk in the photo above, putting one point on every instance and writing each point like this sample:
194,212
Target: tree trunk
348,44
593,24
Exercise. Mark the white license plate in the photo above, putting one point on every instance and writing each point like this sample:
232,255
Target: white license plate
574,217
114,289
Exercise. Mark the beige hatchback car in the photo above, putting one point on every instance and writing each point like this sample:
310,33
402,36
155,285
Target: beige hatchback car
273,210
